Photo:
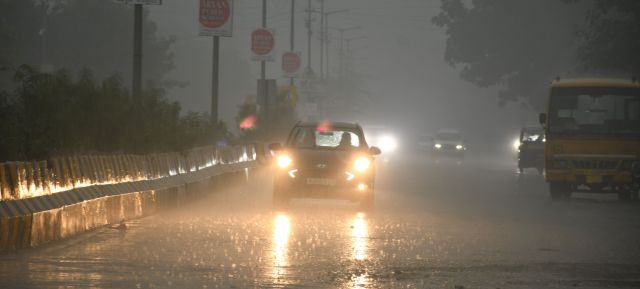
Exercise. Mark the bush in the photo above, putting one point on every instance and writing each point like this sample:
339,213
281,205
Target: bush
53,115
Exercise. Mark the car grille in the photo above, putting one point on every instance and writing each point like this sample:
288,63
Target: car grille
449,147
595,164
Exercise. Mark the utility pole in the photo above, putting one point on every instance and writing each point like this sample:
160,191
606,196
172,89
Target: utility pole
137,50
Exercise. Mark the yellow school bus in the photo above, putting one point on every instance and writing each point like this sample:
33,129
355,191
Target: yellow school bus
592,129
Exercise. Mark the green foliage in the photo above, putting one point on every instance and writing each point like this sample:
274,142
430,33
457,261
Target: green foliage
53,115
516,45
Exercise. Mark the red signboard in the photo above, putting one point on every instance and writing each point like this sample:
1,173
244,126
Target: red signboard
290,62
262,41
214,13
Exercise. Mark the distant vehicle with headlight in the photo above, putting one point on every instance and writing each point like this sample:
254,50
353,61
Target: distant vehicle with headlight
449,143
383,138
530,147
325,160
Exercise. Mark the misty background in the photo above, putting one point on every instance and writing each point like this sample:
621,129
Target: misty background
401,57
416,66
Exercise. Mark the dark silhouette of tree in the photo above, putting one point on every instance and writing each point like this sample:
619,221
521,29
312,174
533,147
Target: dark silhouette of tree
611,42
78,34
516,45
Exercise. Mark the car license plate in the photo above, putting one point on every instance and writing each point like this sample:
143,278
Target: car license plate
322,182
594,179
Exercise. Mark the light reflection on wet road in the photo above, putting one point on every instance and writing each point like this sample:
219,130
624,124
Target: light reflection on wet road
436,226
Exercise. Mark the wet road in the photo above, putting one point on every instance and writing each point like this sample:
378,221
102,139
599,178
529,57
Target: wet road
471,225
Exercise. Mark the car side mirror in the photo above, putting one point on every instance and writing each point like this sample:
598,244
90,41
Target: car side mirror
275,147
542,118
375,151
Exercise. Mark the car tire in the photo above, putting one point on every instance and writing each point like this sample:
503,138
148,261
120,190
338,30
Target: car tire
560,191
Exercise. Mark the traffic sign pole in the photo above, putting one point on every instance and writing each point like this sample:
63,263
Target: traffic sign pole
291,36
263,69
137,50
215,79
215,20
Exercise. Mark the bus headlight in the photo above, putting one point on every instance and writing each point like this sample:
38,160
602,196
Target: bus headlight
516,144
438,146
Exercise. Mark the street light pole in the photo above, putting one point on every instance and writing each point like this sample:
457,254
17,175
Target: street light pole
264,25
342,31
309,35
326,37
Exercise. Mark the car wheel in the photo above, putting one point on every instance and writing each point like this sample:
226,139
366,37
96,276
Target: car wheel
559,191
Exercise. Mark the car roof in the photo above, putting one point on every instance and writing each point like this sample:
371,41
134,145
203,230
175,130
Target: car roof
449,131
348,125
595,82
533,128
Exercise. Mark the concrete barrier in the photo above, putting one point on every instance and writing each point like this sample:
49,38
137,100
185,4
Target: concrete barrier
15,233
36,209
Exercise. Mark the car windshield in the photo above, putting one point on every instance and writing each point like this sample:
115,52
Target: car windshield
425,138
532,136
449,136
595,111
335,138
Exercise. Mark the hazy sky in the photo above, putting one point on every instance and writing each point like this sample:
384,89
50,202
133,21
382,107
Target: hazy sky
402,55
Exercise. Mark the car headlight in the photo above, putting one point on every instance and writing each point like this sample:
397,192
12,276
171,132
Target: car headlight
438,146
387,143
516,144
459,147
361,164
284,161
